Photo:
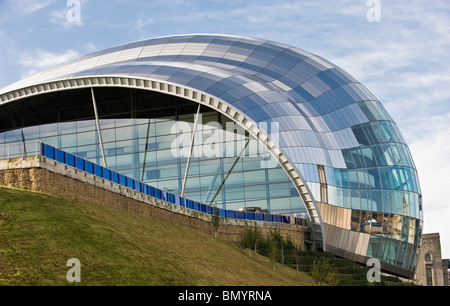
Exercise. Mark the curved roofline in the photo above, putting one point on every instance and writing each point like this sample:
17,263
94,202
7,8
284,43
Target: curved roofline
13,86
194,34
194,96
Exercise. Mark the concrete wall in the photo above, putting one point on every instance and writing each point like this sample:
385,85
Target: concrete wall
51,177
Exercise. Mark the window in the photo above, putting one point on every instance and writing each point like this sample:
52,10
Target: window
429,276
152,174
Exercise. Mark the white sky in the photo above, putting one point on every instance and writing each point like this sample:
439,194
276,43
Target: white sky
403,59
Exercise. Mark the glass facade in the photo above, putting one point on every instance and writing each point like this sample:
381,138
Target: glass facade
149,140
340,142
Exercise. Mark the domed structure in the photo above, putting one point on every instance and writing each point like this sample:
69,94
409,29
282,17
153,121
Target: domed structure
238,121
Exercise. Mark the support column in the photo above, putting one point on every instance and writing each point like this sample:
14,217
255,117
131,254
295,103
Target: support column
229,171
190,151
97,122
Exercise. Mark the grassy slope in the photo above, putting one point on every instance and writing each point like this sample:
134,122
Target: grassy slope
39,233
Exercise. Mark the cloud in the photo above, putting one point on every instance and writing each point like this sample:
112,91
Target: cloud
39,59
429,141
430,148
69,15
401,60
59,17
29,6
141,24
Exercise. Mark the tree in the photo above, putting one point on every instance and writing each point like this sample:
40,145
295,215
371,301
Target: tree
323,273
296,259
215,219
274,251
276,247
250,238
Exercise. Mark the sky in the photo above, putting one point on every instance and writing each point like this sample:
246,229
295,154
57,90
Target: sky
398,49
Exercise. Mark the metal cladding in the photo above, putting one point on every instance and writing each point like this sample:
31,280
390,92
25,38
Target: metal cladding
335,140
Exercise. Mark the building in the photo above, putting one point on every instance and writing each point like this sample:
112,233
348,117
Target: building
239,122
432,269
446,264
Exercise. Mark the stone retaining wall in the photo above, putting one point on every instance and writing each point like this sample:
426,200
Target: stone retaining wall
83,187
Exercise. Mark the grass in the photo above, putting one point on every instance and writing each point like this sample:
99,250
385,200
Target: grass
39,233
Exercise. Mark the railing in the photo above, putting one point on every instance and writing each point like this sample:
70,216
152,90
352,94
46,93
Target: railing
28,149
20,150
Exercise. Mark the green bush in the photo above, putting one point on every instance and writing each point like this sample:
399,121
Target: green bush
324,273
333,270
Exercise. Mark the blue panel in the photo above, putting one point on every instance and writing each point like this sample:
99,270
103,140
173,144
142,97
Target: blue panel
268,217
60,156
145,189
171,198
122,180
209,209
183,202
70,160
164,196
190,204
80,163
259,216
299,221
138,186
222,213
240,214
250,215
49,151
130,183
203,208
151,191
177,200
115,177
43,147
98,170
196,206
231,214
276,218
158,193
107,174
89,166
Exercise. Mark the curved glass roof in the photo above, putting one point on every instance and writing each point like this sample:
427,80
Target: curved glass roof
314,102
